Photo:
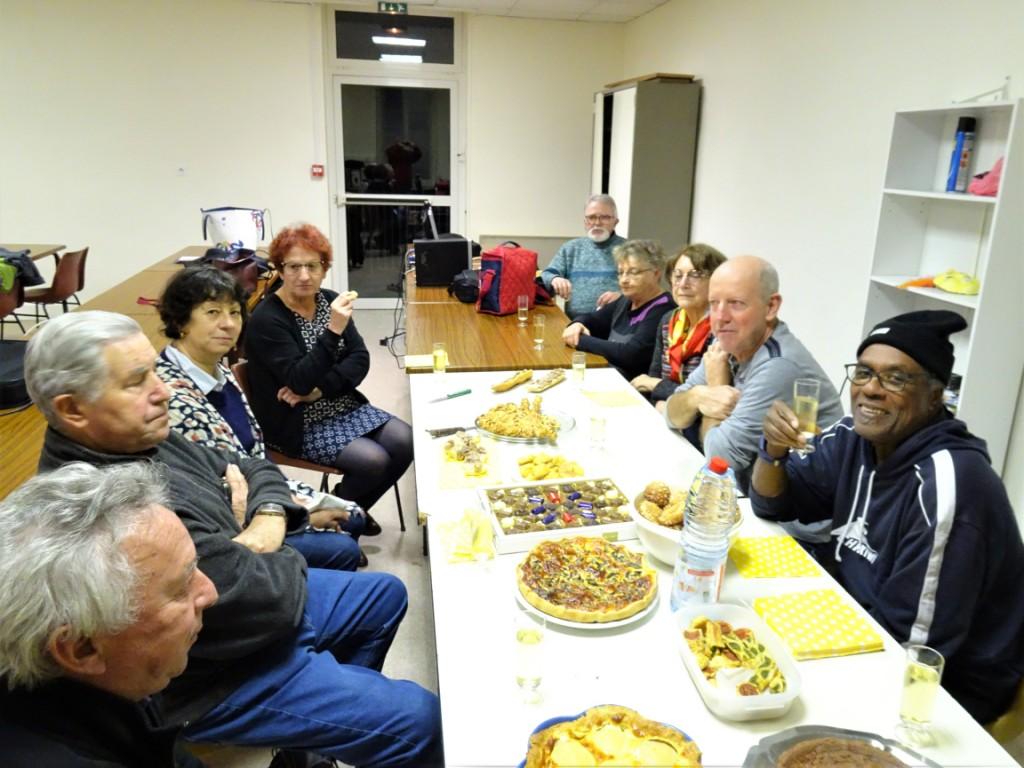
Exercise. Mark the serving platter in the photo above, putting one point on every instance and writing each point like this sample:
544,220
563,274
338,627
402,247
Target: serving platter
565,423
592,626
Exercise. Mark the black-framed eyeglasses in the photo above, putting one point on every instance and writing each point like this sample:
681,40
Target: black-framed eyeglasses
894,381
693,276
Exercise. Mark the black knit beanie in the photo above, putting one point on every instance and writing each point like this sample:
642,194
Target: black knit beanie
924,335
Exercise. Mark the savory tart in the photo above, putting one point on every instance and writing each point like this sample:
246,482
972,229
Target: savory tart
829,752
586,579
716,646
610,735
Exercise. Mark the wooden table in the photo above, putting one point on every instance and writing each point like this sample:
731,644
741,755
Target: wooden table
485,720
36,251
480,342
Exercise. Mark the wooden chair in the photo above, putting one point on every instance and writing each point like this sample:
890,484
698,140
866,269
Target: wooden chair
240,369
10,301
68,280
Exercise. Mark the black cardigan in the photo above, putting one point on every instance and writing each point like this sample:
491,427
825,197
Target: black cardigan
277,358
632,356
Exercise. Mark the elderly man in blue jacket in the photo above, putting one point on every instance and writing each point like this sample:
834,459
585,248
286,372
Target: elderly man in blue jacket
923,535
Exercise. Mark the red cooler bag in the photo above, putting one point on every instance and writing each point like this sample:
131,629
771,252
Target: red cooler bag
506,272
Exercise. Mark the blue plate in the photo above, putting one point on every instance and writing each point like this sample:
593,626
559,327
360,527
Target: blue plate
566,718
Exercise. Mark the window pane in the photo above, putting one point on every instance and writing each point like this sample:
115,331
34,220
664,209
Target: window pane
355,33
378,237
396,140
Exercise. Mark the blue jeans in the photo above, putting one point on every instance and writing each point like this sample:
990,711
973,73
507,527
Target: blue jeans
322,691
326,549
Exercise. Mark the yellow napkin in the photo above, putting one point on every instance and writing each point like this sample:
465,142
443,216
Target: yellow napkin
771,557
469,538
818,624
614,399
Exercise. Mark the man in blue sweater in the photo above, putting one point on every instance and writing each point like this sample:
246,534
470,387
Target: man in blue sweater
583,270
923,533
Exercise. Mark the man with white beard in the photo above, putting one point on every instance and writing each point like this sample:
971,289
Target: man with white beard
583,271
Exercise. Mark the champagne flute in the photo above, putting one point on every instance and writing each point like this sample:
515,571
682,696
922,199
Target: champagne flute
538,331
805,406
523,310
921,678
529,665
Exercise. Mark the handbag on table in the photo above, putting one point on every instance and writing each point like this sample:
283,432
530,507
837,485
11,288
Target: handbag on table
507,271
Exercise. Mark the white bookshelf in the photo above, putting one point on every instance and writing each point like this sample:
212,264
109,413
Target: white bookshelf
924,230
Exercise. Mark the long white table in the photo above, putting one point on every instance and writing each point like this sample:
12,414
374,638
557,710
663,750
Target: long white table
485,722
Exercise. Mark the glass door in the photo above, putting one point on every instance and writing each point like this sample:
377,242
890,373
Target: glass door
394,142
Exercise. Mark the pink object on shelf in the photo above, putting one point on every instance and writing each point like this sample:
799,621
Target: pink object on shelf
987,183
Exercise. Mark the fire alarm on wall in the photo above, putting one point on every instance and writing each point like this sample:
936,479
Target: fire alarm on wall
316,171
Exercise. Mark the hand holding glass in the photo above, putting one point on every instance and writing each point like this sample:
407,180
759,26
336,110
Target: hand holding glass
523,309
805,406
538,331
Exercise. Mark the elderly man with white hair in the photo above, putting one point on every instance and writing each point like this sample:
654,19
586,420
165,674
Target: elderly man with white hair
287,658
583,271
102,600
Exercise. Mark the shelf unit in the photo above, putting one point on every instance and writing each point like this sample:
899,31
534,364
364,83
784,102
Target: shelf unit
923,230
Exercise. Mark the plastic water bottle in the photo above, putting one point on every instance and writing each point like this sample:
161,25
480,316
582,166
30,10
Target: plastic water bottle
704,542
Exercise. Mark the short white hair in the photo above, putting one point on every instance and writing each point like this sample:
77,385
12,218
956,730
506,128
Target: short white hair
66,356
604,200
62,562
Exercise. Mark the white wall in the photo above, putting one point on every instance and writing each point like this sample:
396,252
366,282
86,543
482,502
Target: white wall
796,115
531,86
104,101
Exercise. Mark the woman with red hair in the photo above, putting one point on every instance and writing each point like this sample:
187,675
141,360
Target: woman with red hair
306,360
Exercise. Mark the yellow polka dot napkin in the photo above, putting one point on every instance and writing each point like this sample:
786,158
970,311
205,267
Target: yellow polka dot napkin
771,557
818,624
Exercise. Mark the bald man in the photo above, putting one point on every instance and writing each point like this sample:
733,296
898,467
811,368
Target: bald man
753,362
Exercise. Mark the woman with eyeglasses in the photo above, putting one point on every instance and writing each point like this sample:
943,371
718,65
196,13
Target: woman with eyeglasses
685,331
623,332
306,361
203,310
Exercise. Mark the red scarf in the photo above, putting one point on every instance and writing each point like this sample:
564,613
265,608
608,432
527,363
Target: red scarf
685,342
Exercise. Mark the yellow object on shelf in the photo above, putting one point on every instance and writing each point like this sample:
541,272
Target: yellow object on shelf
952,281
818,624
771,557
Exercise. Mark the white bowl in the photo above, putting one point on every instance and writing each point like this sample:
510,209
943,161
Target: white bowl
663,542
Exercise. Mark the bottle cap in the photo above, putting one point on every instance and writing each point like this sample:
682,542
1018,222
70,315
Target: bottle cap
718,465
965,125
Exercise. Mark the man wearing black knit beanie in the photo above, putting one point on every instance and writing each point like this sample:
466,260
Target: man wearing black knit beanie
923,533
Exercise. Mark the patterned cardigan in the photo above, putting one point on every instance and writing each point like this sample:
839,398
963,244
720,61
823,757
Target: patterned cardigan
194,416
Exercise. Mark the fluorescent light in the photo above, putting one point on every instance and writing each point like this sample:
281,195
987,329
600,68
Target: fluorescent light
403,58
409,42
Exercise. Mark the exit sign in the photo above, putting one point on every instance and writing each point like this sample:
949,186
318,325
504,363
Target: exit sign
392,7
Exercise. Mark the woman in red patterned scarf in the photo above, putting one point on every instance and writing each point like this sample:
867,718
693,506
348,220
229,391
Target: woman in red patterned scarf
685,330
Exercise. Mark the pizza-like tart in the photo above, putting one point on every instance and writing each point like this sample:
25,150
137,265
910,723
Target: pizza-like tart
610,735
586,579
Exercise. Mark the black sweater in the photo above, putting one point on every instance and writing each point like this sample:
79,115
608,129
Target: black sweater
66,724
277,358
623,336
262,596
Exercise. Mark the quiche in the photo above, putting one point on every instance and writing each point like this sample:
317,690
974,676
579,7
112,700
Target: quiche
586,579
828,752
610,735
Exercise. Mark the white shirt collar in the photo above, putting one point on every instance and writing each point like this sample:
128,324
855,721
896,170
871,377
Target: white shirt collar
202,379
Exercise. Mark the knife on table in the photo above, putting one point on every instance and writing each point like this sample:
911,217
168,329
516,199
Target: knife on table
445,431
450,395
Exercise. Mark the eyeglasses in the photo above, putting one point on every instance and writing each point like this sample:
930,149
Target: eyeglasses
633,273
894,381
295,267
598,218
694,276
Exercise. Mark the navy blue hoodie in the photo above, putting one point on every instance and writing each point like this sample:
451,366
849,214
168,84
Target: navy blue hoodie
927,542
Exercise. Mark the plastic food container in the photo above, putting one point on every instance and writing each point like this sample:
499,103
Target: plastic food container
723,700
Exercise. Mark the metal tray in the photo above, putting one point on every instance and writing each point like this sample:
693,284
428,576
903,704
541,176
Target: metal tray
565,423
765,753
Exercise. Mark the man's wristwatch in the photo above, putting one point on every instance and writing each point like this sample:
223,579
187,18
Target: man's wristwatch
762,451
270,510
